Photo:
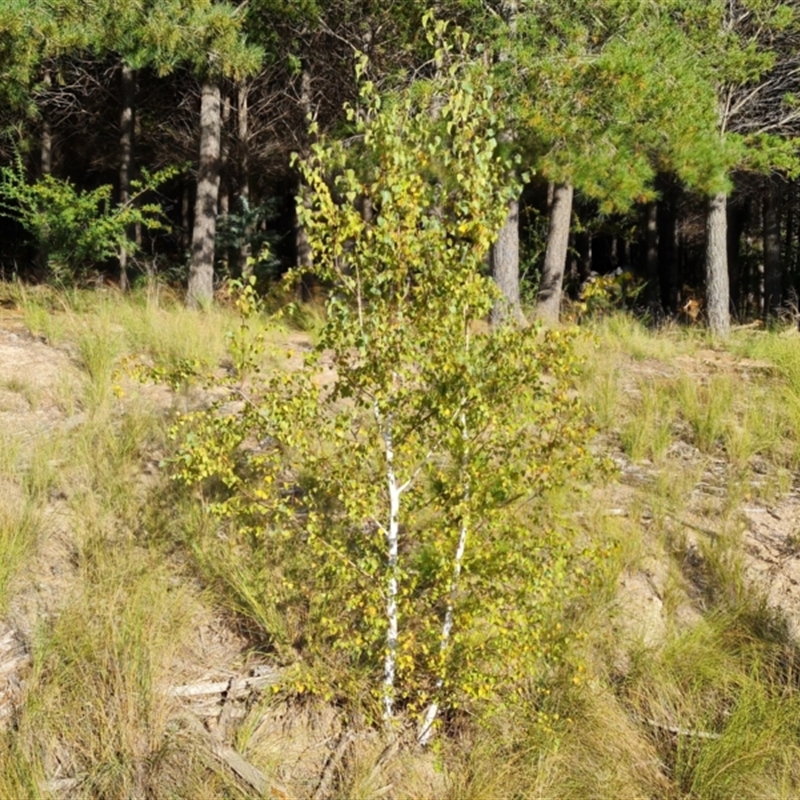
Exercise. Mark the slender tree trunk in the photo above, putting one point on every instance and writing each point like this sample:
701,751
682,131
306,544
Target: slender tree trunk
789,249
504,266
772,249
738,215
392,533
45,168
46,146
653,292
126,145
201,272
669,268
573,272
302,245
244,173
186,214
303,252
717,285
224,201
583,244
549,305
613,252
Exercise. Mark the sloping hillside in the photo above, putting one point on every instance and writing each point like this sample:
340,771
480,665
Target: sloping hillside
131,667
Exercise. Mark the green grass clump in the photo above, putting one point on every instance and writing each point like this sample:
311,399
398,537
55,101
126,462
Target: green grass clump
624,333
103,668
722,710
20,525
647,431
707,407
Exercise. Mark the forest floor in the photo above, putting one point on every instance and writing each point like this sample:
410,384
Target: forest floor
673,508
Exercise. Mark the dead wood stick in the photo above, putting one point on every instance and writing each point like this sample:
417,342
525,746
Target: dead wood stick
233,688
244,770
677,731
60,785
332,764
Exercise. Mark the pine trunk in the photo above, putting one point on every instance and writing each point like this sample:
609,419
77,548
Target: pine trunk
772,249
126,144
46,168
651,258
201,272
717,286
583,247
549,306
302,245
244,174
738,218
789,249
186,214
224,197
504,265
668,266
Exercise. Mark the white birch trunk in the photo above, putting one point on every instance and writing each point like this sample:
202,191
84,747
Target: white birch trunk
432,712
392,540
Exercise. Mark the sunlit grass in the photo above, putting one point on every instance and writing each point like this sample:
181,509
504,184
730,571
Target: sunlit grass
95,701
101,672
20,525
648,430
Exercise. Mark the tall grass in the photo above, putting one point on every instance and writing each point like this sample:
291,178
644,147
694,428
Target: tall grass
624,722
101,672
647,432
95,704
20,525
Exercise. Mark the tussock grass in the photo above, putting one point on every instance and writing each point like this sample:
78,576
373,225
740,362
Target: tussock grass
601,390
40,467
20,525
624,333
30,393
101,671
9,453
95,703
647,433
171,334
707,407
778,349
719,684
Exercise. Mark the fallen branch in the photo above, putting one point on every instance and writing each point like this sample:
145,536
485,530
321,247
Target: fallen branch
60,785
233,689
244,770
676,730
337,756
